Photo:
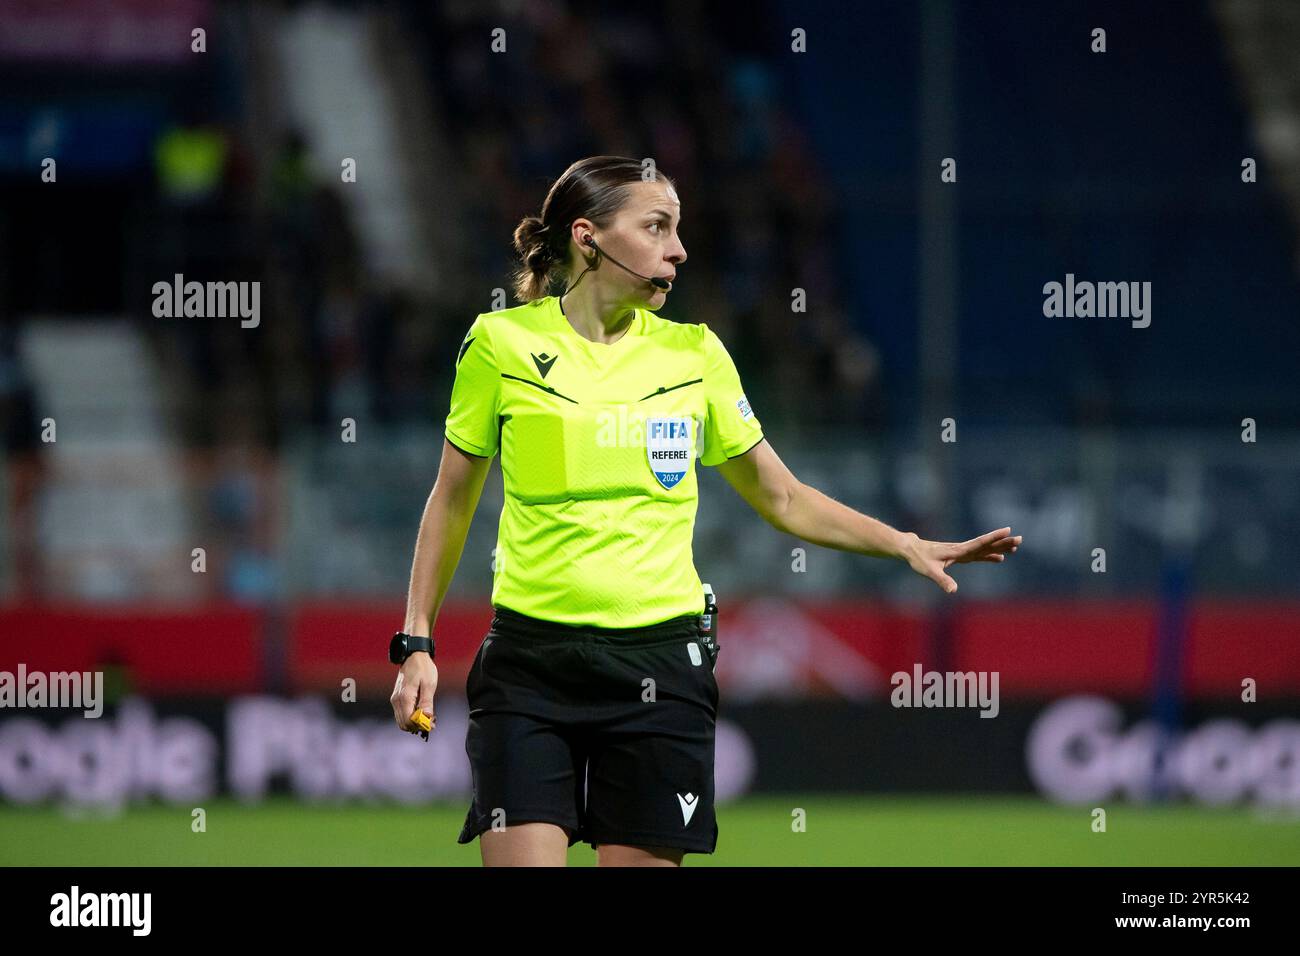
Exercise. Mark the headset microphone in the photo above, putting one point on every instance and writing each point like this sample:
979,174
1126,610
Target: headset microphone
657,281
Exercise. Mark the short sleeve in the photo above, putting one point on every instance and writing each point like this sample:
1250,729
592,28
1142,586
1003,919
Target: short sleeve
472,423
731,427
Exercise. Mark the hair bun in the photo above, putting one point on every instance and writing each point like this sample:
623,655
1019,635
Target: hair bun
532,240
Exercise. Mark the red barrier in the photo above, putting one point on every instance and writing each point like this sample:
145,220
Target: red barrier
1109,647
214,648
1039,649
329,641
1054,647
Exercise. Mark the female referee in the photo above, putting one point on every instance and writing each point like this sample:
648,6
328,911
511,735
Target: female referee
592,700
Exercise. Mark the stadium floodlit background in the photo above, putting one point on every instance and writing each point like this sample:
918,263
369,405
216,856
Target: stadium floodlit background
219,514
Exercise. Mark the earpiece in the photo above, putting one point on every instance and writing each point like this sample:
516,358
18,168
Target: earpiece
656,281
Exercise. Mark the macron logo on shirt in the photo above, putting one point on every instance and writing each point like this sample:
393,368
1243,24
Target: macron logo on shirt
544,363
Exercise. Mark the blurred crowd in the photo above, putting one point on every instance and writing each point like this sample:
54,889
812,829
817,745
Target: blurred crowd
163,176
699,98
340,342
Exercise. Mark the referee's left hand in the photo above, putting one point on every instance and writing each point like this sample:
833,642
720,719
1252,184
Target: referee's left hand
416,682
931,557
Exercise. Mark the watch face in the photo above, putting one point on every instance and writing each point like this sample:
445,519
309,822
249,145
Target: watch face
397,649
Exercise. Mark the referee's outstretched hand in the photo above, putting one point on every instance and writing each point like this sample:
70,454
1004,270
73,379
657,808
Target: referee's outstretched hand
931,557
416,682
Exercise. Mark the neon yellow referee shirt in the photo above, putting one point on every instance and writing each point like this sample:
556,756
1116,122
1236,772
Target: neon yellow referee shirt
598,446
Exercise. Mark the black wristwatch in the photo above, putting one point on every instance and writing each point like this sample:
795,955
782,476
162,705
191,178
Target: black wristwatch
403,646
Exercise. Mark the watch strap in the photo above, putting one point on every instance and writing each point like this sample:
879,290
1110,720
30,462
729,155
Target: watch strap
414,644
410,643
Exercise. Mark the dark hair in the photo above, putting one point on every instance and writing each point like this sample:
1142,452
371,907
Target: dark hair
594,188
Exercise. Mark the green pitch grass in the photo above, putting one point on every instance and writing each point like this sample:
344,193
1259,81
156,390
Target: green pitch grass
841,831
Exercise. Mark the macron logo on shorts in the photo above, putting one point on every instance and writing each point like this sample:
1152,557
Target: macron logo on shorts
689,803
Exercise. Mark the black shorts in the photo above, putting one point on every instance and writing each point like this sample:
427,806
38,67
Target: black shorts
608,733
